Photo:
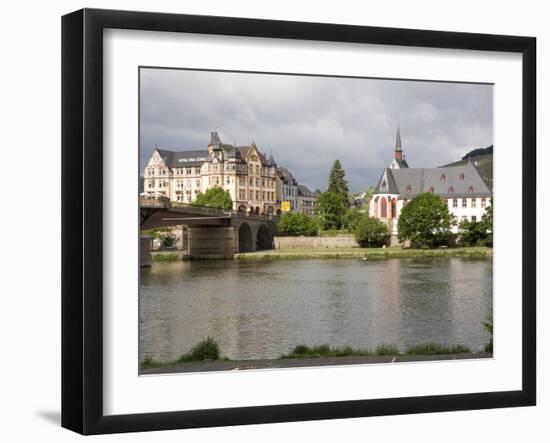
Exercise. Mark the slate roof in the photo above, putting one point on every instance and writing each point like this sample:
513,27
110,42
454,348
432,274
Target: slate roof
304,191
402,163
182,159
445,181
287,177
195,158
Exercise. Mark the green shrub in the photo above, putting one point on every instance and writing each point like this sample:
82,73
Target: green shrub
488,325
371,232
206,350
435,349
473,233
297,223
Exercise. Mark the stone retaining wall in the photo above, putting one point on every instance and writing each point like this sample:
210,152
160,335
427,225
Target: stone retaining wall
337,241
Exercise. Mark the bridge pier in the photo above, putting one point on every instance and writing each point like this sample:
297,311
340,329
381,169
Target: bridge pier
211,242
145,258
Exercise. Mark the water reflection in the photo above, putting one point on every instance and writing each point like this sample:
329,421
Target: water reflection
263,309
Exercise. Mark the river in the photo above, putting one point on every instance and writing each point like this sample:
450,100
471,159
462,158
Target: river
262,309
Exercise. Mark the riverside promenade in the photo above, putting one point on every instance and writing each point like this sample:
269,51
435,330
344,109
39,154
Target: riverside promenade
236,365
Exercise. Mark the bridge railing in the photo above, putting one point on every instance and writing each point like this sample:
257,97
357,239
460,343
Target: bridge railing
163,202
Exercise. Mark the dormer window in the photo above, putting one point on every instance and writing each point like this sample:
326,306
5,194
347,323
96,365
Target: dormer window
384,184
431,189
408,190
442,178
461,176
451,190
470,190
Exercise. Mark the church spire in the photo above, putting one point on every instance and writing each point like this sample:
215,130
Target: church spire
398,147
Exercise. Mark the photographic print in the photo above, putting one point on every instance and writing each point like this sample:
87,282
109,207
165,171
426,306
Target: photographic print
300,220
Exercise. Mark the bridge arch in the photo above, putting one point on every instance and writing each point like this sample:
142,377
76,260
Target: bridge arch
246,243
263,238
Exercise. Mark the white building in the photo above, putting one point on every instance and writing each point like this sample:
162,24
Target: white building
461,187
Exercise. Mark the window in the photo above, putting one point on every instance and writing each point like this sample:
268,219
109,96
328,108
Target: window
455,203
470,190
474,202
483,202
431,189
408,190
461,176
464,202
474,218
384,184
451,190
464,218
442,178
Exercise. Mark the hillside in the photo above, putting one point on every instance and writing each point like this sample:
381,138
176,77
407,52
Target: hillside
482,159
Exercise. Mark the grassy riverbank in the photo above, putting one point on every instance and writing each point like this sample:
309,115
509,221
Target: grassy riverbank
166,256
208,351
364,253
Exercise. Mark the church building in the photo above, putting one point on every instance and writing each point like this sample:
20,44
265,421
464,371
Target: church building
461,187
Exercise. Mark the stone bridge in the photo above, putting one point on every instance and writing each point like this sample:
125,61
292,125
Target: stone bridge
212,233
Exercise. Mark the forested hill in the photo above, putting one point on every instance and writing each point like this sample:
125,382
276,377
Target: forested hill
482,159
479,151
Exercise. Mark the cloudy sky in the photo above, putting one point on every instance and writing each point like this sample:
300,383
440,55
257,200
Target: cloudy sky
308,122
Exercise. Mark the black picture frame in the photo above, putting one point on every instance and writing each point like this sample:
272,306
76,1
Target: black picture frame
82,217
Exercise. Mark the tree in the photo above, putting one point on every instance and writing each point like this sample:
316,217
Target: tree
478,233
488,222
472,233
425,221
368,196
371,232
351,218
214,198
337,182
331,208
296,223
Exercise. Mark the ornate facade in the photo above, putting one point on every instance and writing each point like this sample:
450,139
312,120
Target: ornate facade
244,171
461,187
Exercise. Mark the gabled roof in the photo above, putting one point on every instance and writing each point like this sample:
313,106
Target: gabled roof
449,182
304,191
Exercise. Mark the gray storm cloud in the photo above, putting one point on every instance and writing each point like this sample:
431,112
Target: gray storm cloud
308,122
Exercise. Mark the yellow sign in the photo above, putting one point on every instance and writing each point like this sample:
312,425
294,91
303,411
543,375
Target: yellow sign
285,206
